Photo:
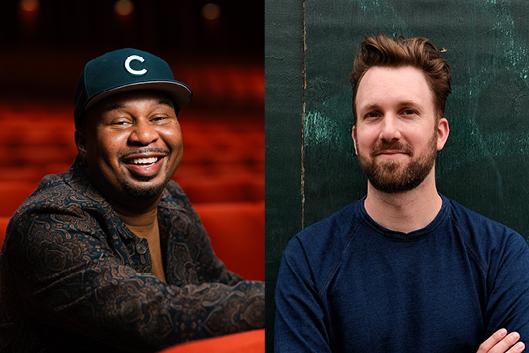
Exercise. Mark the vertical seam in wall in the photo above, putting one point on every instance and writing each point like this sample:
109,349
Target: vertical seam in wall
303,107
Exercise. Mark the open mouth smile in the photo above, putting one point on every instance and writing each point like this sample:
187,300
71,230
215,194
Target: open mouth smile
144,167
144,161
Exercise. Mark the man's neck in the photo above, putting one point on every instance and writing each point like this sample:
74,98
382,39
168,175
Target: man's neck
145,225
407,211
141,223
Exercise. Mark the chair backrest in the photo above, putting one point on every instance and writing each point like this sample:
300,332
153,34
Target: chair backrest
13,194
227,189
3,225
236,231
244,342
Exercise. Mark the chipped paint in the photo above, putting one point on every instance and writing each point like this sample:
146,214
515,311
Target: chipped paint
321,130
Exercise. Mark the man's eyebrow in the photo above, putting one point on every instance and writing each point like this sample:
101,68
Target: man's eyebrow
116,105
369,107
409,102
166,101
112,106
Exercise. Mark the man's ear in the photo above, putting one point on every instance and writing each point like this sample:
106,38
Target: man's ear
443,130
353,135
80,142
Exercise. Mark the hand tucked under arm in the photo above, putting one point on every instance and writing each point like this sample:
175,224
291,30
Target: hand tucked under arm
501,342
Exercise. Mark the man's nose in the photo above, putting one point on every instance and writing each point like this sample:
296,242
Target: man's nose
390,129
143,134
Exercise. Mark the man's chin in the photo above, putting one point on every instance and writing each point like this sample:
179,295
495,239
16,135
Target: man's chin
398,178
145,190
391,177
392,187
391,184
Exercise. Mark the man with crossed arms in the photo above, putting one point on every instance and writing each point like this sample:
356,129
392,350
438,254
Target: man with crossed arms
405,269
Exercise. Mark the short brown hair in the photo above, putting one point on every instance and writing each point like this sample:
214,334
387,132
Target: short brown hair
419,52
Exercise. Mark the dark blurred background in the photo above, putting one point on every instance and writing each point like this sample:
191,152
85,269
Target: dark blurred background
44,43
215,46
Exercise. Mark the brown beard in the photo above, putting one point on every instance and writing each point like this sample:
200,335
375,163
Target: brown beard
391,177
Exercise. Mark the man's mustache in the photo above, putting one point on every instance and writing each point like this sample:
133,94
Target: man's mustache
398,146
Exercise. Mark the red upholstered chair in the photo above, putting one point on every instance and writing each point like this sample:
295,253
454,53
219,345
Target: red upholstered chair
235,188
245,342
236,231
21,173
36,155
3,225
13,194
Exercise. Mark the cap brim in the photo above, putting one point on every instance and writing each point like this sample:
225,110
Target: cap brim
177,91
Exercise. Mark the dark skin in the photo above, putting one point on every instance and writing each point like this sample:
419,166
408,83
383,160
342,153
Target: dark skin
131,144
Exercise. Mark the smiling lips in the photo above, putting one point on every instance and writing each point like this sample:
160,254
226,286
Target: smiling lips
391,149
390,152
144,166
143,161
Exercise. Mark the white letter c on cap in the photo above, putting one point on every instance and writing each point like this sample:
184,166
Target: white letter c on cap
130,69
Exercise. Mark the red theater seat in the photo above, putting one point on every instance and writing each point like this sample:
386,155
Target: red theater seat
236,188
245,342
21,173
3,226
13,195
236,231
35,155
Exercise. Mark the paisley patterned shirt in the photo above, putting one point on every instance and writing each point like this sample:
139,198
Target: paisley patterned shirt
74,278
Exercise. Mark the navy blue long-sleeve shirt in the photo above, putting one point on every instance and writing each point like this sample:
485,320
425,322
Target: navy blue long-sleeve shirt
346,284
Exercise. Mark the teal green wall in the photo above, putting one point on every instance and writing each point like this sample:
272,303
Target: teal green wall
283,140
310,168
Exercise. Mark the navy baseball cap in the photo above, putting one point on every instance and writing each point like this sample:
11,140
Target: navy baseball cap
126,70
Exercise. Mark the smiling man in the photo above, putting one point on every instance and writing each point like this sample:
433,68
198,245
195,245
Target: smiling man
405,269
110,256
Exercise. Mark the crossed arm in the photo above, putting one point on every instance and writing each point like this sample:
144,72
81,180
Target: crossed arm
300,317
502,342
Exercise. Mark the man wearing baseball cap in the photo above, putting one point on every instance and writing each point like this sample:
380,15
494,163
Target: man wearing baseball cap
110,256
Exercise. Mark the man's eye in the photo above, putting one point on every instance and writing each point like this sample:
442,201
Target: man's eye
409,111
373,114
159,118
121,123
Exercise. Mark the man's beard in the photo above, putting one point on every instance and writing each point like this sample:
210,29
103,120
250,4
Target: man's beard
145,193
391,176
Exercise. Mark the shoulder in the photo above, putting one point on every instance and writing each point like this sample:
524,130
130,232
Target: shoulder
54,194
60,204
331,229
487,238
319,247
477,224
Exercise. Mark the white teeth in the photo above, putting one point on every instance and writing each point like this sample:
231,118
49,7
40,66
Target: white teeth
144,160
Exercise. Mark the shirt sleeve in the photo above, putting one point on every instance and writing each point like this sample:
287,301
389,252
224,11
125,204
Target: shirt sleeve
299,316
508,303
62,269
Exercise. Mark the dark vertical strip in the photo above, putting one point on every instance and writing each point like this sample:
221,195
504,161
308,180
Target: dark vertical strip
283,128
302,117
